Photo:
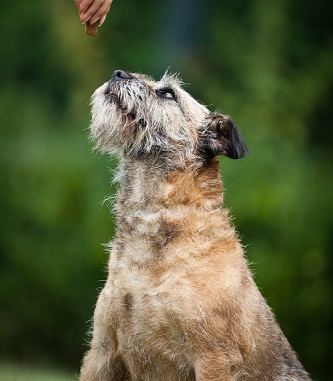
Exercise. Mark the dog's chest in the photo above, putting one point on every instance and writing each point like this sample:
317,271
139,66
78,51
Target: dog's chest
145,305
160,273
163,267
148,326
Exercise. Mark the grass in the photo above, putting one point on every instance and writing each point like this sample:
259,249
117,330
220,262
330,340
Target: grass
18,373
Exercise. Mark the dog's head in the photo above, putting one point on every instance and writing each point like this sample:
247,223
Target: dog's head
133,115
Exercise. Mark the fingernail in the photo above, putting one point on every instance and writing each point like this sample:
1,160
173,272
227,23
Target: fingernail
101,20
84,18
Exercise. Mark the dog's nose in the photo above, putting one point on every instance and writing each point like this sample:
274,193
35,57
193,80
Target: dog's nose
120,74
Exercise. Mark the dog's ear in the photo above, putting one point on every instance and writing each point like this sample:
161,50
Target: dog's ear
220,136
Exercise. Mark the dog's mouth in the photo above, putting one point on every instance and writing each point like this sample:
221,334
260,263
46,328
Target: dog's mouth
130,116
111,96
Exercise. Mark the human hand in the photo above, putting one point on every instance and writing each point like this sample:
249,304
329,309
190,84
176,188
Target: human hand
93,11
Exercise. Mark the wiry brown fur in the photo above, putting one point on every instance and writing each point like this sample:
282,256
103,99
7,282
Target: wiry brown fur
179,302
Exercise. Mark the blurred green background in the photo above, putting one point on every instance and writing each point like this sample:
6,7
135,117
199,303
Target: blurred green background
267,64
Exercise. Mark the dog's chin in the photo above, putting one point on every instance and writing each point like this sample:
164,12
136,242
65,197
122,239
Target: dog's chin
111,96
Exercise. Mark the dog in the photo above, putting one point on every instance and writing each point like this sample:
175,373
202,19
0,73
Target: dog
180,303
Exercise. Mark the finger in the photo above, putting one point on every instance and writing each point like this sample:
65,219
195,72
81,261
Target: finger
94,6
84,17
89,7
101,20
87,15
84,5
102,11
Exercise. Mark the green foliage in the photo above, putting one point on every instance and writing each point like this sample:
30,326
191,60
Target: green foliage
269,66
14,373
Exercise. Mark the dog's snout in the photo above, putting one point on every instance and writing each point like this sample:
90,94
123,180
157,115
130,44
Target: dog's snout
120,74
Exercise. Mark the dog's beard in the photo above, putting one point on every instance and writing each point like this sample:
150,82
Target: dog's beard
120,125
120,128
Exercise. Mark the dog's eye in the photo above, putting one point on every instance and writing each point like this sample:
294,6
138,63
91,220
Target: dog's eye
167,93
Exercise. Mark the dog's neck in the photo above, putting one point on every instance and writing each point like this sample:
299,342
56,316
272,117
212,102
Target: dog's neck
145,188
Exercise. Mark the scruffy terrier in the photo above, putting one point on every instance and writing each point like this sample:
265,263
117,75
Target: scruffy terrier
179,303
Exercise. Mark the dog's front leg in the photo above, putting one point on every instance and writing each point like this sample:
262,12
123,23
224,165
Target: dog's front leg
101,363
